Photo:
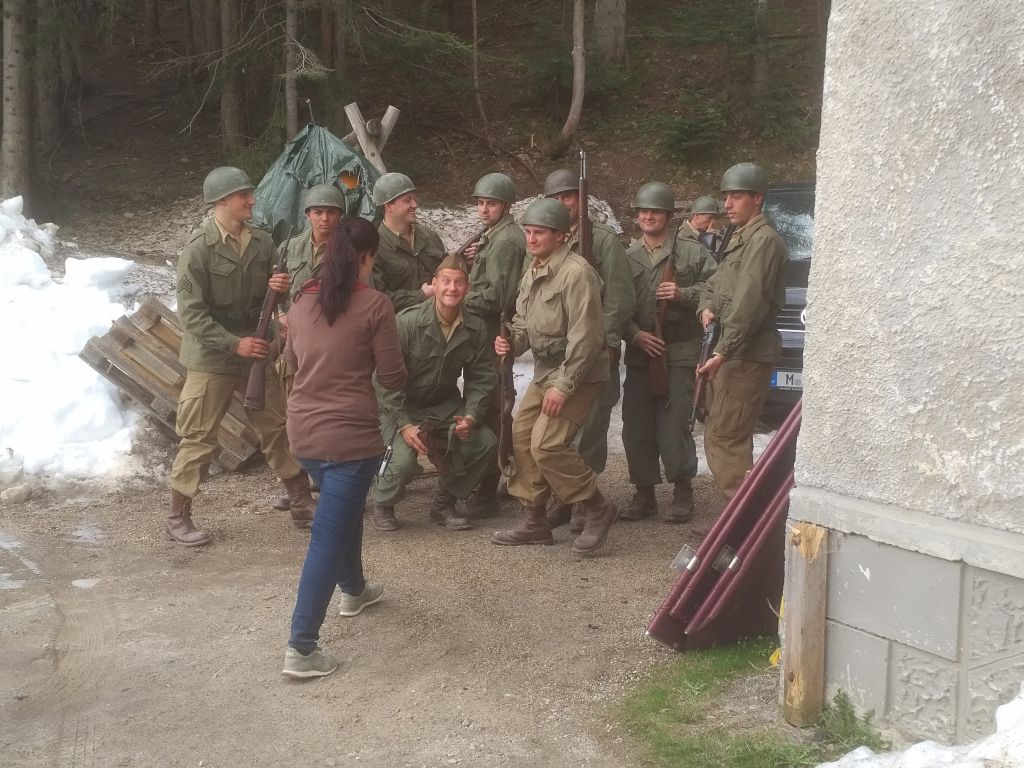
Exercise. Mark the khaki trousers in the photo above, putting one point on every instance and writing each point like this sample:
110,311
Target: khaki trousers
734,400
204,400
658,427
545,460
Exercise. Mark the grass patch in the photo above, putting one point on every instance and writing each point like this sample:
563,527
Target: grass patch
668,717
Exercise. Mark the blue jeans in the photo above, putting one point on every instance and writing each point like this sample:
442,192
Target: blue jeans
335,549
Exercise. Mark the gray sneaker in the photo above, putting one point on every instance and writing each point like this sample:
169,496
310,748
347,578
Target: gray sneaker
352,605
316,664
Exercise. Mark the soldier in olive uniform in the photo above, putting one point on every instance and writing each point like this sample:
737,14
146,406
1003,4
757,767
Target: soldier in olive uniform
701,225
409,252
497,260
440,343
324,206
618,300
223,276
559,318
744,295
655,425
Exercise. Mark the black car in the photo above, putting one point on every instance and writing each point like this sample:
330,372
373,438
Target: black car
790,210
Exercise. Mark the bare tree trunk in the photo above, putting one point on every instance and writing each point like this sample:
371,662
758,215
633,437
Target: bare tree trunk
16,143
610,30
579,74
48,76
211,26
232,104
151,23
291,64
339,42
326,34
760,58
476,77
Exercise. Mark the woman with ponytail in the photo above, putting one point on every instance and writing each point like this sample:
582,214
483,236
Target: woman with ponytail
339,332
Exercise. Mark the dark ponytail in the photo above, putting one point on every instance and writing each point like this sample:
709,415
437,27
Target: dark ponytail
340,270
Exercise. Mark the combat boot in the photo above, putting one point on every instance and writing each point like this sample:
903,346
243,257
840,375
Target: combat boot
643,504
300,503
601,515
179,526
484,500
681,510
281,503
442,512
532,529
384,517
578,521
558,512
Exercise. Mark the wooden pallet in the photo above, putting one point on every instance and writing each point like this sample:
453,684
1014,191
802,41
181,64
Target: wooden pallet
139,355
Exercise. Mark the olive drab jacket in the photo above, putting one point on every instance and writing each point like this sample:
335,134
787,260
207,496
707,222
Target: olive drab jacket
303,261
617,295
220,295
746,293
559,318
399,271
435,365
497,268
682,333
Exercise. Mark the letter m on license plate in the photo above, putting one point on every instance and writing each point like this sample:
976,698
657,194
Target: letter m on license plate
787,380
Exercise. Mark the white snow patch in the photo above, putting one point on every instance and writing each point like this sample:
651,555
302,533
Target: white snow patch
85,583
1003,749
865,572
62,418
6,582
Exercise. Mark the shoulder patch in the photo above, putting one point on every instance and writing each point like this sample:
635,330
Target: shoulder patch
184,285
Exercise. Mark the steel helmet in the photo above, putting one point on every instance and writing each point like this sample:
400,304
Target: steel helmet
496,186
745,177
547,213
705,204
391,185
323,196
561,181
655,195
223,181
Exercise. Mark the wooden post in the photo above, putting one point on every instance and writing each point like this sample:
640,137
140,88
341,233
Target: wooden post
387,125
803,652
366,141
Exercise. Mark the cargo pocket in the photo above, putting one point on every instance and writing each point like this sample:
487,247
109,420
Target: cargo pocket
743,392
191,401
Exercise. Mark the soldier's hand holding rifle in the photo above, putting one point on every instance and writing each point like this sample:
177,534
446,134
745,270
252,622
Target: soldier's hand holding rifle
279,282
463,426
251,346
411,435
668,291
501,346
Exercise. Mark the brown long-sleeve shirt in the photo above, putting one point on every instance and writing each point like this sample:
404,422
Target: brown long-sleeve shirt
332,408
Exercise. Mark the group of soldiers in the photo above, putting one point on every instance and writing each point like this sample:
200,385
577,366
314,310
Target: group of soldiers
516,287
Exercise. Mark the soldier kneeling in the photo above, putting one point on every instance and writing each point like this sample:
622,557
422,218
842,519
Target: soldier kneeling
440,343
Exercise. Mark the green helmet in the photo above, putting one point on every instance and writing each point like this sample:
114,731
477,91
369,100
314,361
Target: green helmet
655,196
547,213
323,196
223,181
745,177
561,181
496,186
705,204
391,185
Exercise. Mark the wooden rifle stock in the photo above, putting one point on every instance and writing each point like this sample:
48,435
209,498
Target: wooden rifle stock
707,346
657,370
585,232
508,399
461,252
255,388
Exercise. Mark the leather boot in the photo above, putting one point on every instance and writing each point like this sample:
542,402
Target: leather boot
681,510
484,500
442,512
281,504
558,512
384,517
532,529
643,504
179,526
601,515
578,521
300,503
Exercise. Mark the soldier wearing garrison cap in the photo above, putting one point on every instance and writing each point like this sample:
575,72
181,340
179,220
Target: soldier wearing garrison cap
409,252
440,343
744,295
223,276
617,301
558,318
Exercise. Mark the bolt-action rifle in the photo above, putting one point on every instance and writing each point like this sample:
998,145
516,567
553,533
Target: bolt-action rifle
707,346
461,252
657,370
255,390
584,228
508,399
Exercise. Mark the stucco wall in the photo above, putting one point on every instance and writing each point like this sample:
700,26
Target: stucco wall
914,388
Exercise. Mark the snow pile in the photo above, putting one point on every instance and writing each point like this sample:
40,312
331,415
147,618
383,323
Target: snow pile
1003,749
60,418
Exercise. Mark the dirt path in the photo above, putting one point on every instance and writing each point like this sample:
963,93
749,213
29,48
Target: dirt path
477,655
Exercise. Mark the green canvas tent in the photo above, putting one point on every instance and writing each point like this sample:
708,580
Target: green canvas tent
314,156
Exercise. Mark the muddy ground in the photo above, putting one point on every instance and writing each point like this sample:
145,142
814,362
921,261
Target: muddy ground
123,649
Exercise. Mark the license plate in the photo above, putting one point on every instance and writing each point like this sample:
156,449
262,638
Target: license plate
787,380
